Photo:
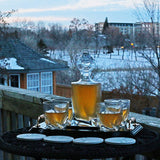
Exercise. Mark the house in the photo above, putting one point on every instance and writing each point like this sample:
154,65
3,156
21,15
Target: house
25,68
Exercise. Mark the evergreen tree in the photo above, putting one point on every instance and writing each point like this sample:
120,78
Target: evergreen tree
106,31
42,46
105,26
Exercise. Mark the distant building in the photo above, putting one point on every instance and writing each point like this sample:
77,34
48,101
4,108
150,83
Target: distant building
124,28
25,68
148,27
99,27
131,28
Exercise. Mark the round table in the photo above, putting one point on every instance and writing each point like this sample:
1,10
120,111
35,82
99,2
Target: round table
146,141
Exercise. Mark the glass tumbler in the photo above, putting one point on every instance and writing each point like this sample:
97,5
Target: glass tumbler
125,110
110,114
56,113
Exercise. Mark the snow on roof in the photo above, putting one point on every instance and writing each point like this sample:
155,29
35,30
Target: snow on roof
9,63
44,59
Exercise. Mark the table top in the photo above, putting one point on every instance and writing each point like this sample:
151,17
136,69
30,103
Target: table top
146,141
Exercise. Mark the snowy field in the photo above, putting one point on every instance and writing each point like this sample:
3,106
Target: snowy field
113,61
108,77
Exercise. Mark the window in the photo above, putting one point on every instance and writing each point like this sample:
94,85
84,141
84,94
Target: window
14,80
46,82
33,81
45,85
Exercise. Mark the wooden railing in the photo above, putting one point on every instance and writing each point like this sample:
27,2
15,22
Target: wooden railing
63,90
20,108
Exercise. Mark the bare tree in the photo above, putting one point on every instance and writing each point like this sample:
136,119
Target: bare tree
3,19
149,15
3,60
81,33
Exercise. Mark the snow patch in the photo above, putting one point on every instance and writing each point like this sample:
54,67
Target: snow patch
9,63
44,59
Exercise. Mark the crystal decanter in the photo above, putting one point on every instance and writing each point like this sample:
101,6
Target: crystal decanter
86,93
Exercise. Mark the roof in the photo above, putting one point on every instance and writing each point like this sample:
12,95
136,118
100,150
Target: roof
22,59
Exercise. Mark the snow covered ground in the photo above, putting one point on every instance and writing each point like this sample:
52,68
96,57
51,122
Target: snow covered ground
113,67
105,61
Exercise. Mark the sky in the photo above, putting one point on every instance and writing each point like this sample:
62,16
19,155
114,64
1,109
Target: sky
63,11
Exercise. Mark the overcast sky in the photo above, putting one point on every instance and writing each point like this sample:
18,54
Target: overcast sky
63,11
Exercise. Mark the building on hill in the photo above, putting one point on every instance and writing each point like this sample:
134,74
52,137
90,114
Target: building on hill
22,67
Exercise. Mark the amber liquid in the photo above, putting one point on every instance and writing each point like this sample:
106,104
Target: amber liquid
110,120
85,99
114,109
55,119
70,115
125,113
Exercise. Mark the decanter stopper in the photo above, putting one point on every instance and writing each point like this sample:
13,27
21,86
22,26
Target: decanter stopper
86,63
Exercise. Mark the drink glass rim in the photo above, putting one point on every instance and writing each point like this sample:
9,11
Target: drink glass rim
117,100
112,101
56,101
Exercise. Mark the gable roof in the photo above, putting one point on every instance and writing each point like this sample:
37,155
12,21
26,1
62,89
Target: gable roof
22,59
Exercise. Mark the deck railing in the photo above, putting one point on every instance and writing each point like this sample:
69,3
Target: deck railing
20,108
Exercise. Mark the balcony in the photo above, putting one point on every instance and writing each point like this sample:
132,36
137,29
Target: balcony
20,108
